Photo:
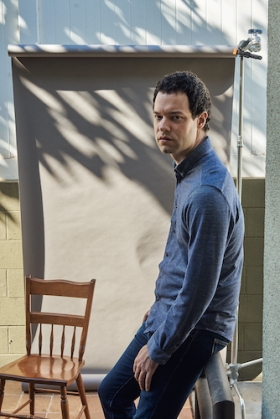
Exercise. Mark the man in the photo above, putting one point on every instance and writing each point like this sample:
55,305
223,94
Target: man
197,290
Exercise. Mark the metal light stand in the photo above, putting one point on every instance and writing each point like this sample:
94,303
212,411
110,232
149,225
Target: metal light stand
253,44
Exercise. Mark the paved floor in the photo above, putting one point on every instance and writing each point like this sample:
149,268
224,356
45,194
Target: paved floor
251,392
48,405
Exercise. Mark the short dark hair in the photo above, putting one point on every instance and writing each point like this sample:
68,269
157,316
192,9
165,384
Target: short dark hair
188,83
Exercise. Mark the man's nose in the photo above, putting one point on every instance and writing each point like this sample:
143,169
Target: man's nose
163,125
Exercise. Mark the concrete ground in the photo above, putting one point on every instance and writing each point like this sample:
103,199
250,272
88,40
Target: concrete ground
251,392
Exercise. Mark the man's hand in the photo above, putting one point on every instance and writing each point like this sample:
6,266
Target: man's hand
146,315
144,368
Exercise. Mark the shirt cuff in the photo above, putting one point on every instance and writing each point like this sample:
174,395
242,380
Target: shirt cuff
157,354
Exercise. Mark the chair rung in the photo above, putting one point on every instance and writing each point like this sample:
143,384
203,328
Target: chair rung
13,415
81,412
21,406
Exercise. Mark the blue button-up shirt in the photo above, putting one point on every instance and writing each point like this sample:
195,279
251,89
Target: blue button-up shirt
199,278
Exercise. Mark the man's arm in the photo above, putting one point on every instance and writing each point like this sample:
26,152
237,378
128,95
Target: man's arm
208,220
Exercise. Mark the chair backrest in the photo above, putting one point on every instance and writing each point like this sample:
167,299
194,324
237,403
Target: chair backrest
60,288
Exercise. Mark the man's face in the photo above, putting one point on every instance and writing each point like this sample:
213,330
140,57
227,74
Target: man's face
176,132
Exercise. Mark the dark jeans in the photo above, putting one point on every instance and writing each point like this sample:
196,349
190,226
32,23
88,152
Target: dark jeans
171,383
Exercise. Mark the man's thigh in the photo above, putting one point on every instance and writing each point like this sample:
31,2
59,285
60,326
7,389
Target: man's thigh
119,388
173,382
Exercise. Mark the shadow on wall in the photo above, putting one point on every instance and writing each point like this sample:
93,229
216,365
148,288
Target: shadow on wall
95,114
99,112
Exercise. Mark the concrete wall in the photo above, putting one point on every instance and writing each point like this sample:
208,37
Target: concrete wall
271,318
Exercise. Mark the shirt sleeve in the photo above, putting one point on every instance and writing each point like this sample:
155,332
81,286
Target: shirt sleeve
209,223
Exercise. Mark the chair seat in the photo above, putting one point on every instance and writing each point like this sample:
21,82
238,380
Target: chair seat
43,369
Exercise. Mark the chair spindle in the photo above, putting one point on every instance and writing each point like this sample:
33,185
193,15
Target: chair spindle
40,339
62,341
73,342
51,341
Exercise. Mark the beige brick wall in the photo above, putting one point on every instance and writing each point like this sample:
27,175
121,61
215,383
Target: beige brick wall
12,315
251,296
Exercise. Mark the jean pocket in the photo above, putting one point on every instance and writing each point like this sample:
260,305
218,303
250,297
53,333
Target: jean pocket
218,345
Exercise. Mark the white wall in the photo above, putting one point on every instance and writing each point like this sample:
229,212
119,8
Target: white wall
139,22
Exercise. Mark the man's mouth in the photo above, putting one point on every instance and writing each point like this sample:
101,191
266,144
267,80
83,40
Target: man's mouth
164,139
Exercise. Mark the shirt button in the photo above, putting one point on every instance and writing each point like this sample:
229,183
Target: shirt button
166,254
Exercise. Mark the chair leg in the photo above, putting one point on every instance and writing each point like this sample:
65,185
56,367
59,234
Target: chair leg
2,387
64,403
32,398
83,396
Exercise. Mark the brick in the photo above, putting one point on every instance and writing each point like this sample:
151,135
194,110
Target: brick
253,279
4,347
253,251
12,311
15,282
243,278
254,222
3,283
17,340
10,254
253,337
242,315
3,229
251,308
9,196
254,308
253,192
13,225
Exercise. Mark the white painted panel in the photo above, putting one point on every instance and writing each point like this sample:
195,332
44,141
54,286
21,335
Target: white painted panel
3,87
199,22
244,18
214,22
92,21
9,35
259,17
150,22
168,26
183,23
229,22
46,22
62,22
28,21
123,22
153,22
138,31
107,22
77,22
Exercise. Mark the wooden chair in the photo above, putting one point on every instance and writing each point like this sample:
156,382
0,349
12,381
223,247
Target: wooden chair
54,370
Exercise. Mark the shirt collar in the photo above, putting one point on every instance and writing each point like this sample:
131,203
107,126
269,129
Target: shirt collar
190,161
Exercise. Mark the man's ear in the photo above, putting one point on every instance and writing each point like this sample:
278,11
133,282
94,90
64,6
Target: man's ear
201,120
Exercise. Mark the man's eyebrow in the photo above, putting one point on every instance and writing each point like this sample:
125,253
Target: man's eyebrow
170,113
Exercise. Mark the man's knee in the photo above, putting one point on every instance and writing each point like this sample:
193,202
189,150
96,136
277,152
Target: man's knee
103,391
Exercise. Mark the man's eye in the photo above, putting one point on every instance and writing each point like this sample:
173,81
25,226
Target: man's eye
157,117
176,117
